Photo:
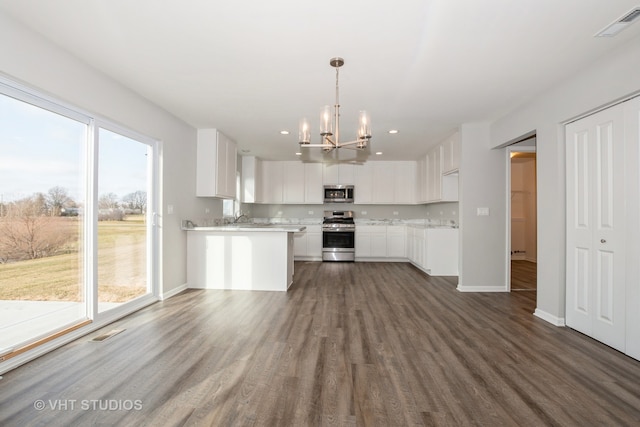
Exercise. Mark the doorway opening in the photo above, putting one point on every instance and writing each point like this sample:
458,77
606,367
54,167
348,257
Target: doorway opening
522,216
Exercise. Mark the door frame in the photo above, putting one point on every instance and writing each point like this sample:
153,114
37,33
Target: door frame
508,150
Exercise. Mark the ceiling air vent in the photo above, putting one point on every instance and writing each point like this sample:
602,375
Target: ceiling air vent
620,24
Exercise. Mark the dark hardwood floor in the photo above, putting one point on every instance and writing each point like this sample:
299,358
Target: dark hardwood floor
523,275
350,344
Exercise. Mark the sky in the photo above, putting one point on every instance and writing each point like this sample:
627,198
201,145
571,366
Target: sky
40,150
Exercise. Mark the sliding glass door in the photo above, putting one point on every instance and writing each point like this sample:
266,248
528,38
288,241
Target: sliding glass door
124,227
77,229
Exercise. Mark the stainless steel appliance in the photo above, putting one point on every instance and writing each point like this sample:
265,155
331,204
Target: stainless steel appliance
338,236
338,193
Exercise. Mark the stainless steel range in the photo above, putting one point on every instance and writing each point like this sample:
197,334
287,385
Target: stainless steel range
338,236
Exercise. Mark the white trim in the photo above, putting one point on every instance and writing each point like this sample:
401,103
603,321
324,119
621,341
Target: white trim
173,292
461,288
508,257
554,320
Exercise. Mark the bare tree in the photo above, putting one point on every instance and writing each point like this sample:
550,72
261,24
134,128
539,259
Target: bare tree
58,198
27,233
136,201
108,201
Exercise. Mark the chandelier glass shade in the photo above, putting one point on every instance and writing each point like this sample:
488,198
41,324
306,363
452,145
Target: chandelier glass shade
330,124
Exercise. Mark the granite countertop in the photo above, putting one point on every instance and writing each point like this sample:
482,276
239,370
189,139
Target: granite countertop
249,228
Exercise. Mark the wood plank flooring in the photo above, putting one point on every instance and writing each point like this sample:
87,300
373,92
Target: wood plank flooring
351,344
523,275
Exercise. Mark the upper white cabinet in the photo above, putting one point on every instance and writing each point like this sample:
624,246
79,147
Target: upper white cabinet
363,187
385,182
216,165
302,183
251,179
438,172
287,182
293,182
451,153
313,193
405,191
272,182
338,174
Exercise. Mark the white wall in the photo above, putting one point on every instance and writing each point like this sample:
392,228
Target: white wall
612,77
36,62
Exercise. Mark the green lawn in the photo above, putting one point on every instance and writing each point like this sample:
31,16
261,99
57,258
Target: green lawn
121,267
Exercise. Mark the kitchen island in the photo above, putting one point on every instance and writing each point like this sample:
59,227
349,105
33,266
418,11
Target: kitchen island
255,257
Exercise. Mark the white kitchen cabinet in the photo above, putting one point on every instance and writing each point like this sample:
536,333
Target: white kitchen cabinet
421,180
300,244
218,260
293,184
363,188
251,172
216,165
307,244
416,246
338,174
371,241
405,183
314,241
313,193
451,153
383,182
434,174
272,181
396,241
441,251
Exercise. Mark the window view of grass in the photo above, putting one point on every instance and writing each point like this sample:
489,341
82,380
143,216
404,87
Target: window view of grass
55,277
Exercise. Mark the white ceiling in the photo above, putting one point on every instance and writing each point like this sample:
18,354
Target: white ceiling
252,68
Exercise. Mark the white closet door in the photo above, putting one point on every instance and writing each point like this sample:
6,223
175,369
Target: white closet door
595,226
632,158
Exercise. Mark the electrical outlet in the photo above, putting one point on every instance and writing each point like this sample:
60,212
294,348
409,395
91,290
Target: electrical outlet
363,212
310,212
395,212
169,209
207,210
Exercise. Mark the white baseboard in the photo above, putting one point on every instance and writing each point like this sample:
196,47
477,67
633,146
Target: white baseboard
554,320
461,288
173,292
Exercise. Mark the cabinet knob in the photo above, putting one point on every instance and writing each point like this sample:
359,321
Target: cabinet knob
603,241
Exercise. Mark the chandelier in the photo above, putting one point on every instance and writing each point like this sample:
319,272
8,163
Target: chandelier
331,139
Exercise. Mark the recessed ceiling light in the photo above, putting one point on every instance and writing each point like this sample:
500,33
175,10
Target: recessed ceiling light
284,132
394,131
378,153
298,154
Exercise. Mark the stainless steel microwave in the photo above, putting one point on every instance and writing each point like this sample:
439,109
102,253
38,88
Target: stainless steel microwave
338,193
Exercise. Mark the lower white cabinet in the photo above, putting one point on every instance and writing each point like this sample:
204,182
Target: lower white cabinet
371,241
433,250
396,241
441,251
307,244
